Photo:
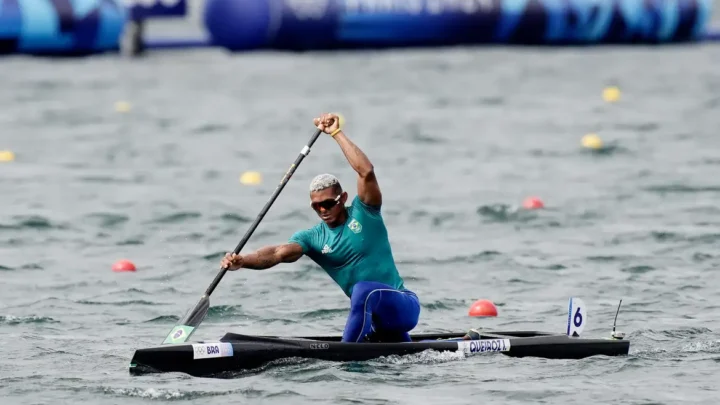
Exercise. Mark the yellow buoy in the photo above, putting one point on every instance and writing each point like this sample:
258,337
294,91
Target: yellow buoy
122,106
6,156
592,141
611,94
251,178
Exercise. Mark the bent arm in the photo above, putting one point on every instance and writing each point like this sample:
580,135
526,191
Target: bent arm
270,256
368,187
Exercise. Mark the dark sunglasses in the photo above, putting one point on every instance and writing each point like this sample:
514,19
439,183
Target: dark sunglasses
326,204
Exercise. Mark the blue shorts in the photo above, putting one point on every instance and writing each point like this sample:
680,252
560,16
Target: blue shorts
385,313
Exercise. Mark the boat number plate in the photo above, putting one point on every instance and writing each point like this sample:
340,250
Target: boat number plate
210,350
483,346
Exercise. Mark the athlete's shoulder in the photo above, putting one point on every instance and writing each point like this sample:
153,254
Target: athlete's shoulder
358,204
307,238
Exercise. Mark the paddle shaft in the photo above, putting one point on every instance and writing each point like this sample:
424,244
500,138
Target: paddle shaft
303,153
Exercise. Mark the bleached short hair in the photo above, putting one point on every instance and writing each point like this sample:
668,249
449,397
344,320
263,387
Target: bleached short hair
323,181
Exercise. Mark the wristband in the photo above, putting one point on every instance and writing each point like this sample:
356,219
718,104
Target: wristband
335,132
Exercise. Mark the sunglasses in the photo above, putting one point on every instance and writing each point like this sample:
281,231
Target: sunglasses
326,204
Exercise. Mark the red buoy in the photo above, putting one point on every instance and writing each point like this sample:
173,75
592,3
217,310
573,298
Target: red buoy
533,203
123,265
483,308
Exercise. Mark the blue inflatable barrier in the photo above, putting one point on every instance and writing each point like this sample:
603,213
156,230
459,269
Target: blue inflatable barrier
60,27
336,24
72,27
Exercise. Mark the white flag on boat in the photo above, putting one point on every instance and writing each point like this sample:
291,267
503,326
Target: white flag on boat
577,317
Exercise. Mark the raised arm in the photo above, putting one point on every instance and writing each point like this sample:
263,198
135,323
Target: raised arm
367,184
263,258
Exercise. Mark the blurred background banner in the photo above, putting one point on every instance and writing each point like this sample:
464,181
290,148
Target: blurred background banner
60,26
70,27
142,9
338,24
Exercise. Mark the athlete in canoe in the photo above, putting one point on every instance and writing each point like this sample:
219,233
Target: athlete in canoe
351,244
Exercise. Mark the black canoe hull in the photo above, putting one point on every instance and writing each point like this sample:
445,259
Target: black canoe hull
234,353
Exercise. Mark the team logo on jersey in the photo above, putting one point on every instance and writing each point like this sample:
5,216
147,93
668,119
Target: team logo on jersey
355,226
326,249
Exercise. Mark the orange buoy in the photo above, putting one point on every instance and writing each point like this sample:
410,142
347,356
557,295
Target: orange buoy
532,203
483,308
123,266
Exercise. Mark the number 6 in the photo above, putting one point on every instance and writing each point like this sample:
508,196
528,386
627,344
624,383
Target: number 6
578,319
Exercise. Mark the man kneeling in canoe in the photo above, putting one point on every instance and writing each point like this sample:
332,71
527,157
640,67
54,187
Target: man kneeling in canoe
351,244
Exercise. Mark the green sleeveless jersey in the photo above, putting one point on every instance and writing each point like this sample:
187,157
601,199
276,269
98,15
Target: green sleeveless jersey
358,250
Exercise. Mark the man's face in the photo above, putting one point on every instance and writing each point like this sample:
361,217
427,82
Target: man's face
328,204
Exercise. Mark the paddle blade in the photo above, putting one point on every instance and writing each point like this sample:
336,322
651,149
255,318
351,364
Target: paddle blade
182,331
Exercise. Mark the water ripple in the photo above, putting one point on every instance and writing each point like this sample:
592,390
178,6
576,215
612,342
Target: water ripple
175,394
32,319
176,218
107,220
23,222
487,255
164,319
118,303
682,188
